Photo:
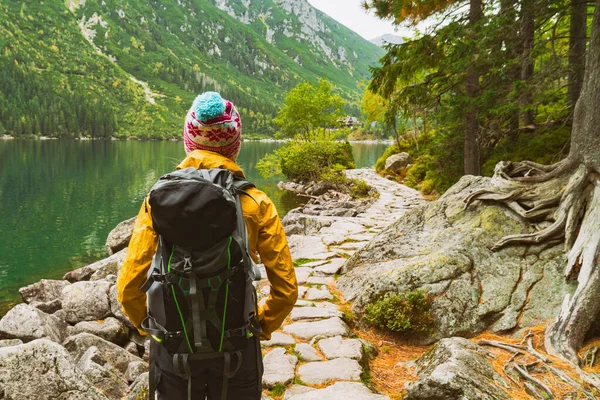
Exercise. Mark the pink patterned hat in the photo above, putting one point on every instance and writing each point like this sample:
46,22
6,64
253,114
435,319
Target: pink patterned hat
213,124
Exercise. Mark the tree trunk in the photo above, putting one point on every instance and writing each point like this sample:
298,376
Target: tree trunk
513,51
527,38
567,196
471,146
577,44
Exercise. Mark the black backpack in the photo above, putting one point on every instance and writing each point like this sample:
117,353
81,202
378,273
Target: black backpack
201,301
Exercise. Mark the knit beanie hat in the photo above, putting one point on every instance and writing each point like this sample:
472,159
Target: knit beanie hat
213,124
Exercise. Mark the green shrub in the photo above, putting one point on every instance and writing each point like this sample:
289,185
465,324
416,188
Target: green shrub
407,313
308,161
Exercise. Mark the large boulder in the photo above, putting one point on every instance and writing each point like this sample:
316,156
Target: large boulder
43,370
102,375
456,369
110,329
446,251
114,355
397,161
116,309
86,301
27,323
43,291
108,266
119,237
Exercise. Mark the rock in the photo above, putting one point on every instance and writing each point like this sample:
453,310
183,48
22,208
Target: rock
307,247
319,294
120,236
334,239
456,369
302,274
86,301
110,329
116,308
325,328
139,388
43,370
307,353
312,313
341,390
279,368
135,369
295,390
116,356
306,224
27,323
49,307
337,347
397,161
313,264
102,375
344,228
304,303
446,251
322,372
278,339
332,268
132,348
320,280
302,291
10,342
44,291
111,264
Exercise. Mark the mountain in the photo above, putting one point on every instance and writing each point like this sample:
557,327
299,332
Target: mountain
132,67
387,38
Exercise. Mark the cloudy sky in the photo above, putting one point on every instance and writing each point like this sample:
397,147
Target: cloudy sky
351,14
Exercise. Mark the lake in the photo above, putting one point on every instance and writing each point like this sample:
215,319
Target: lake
59,199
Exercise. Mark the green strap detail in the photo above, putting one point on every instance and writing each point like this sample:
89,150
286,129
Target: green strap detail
177,304
226,294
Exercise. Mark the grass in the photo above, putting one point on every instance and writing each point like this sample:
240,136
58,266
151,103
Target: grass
277,390
301,261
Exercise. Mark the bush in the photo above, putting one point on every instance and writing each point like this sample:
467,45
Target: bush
407,313
308,161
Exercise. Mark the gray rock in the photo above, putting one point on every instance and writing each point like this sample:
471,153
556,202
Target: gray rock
43,370
49,307
302,274
43,291
322,372
111,264
116,356
86,301
110,329
312,313
337,347
116,309
397,161
307,353
295,390
132,348
445,251
278,339
344,228
27,323
135,369
120,236
302,291
325,328
139,388
456,369
279,368
102,375
334,239
320,280
332,268
10,342
313,264
304,303
319,294
341,390
308,247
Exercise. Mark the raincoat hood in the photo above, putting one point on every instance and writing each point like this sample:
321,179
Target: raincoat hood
208,159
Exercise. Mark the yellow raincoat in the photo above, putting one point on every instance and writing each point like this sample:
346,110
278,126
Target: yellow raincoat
265,236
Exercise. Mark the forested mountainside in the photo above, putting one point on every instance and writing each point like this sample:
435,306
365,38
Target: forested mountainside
131,67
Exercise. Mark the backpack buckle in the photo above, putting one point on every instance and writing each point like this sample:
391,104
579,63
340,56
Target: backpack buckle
187,263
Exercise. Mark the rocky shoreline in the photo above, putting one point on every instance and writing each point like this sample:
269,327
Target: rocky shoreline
70,340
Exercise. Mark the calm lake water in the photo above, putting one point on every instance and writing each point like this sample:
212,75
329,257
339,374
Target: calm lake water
59,199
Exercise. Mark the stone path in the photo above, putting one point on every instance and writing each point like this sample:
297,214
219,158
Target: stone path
314,347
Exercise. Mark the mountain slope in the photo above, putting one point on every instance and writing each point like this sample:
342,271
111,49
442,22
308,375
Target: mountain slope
147,60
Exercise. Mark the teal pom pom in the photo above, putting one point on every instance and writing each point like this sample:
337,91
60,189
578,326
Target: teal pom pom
208,105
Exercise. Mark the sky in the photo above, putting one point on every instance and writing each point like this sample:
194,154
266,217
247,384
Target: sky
351,14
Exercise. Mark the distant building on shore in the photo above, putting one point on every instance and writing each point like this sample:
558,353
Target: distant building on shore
349,122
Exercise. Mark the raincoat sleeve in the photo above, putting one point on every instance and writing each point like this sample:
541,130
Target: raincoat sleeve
275,254
134,271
